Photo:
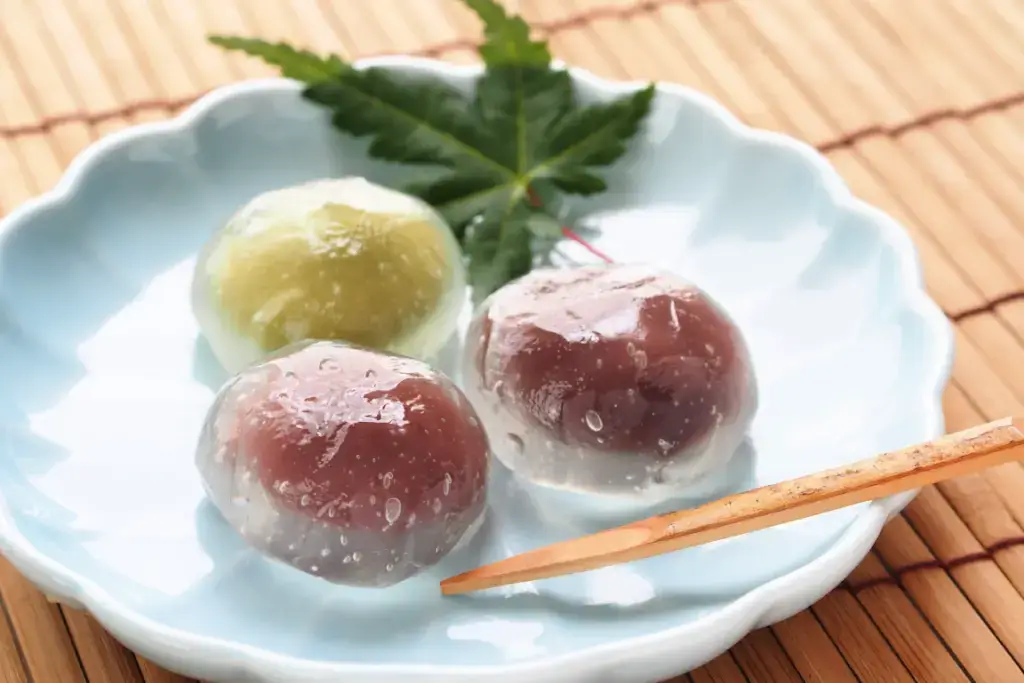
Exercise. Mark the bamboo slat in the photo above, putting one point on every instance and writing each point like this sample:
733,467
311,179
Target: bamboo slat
919,104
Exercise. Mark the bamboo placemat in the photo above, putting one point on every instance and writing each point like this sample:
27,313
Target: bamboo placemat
919,103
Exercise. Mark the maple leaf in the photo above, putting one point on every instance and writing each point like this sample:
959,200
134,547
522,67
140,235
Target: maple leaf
300,65
521,132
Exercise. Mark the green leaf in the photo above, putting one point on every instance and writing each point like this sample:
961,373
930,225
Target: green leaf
411,121
562,150
498,245
519,95
507,39
544,226
300,65
460,197
591,137
520,106
521,133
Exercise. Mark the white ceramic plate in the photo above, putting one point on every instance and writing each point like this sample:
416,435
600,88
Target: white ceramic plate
105,381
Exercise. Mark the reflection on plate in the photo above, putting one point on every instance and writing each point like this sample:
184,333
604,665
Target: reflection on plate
107,383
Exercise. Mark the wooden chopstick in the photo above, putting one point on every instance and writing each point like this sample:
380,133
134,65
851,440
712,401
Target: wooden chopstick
948,457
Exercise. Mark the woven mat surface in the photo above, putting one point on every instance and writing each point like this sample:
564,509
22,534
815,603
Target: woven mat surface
919,104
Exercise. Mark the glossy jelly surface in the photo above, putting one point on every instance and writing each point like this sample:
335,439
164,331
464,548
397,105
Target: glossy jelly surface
355,466
340,259
610,379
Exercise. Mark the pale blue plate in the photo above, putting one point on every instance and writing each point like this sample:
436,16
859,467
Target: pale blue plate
105,382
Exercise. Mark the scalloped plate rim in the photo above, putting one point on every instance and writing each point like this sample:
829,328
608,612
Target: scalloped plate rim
765,604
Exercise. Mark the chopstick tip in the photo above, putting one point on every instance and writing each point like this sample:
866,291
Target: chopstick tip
459,584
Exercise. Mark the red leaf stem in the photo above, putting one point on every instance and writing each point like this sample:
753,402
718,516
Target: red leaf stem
568,233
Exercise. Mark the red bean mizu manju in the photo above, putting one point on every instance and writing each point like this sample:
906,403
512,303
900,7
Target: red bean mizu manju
617,379
355,466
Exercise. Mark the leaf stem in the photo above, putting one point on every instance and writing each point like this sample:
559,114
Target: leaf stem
568,233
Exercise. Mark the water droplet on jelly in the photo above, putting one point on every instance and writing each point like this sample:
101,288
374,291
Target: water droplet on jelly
388,478
371,374
447,486
664,445
328,364
640,359
389,567
392,510
594,421
356,556
344,541
304,501
325,552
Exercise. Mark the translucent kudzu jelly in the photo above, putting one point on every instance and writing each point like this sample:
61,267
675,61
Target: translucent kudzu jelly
355,466
340,259
620,380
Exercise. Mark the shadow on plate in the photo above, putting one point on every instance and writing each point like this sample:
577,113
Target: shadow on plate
206,369
250,588
569,514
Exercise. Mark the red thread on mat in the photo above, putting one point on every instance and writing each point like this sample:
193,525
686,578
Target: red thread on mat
896,576
48,123
549,27
923,121
575,21
989,307
555,26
